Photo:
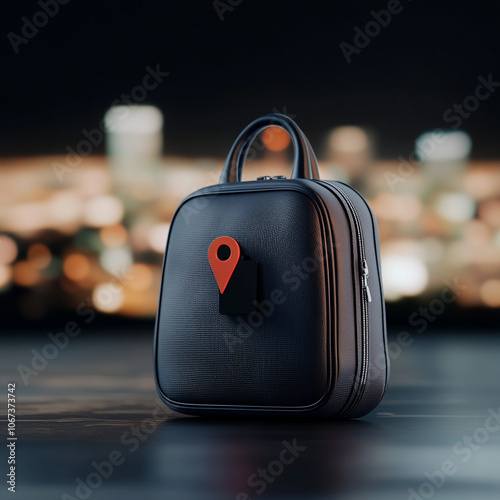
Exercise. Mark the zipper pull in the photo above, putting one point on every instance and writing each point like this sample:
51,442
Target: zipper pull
271,178
368,294
364,280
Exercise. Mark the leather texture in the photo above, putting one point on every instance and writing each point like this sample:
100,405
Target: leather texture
315,347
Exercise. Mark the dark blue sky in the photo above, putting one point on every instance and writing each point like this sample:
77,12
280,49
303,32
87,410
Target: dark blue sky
264,55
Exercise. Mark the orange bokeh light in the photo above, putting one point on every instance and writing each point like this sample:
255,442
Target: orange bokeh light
39,255
76,266
141,276
490,293
275,138
113,236
8,250
5,275
24,274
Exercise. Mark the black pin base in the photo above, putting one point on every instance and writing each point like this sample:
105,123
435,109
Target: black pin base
240,295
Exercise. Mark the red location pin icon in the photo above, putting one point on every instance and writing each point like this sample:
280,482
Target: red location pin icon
223,269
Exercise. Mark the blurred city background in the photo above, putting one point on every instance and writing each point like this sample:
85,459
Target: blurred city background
112,112
82,230
102,136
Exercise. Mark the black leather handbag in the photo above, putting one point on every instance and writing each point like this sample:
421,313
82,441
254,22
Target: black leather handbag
271,300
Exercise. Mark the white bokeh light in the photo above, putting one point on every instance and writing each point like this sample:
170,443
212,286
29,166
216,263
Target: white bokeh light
107,297
443,146
456,207
116,260
157,237
103,211
403,276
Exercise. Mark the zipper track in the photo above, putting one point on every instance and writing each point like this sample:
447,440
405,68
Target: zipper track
365,297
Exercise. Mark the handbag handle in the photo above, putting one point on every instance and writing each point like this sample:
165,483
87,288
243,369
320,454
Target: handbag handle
304,163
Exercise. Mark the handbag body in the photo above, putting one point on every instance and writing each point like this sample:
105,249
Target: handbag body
271,301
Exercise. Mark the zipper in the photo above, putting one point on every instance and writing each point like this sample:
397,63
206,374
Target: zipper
366,297
271,178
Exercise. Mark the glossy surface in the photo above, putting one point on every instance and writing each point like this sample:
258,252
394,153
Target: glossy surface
96,399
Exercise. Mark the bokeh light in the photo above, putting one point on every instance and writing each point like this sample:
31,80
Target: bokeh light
65,208
24,274
116,260
348,140
403,207
140,277
39,255
443,146
138,119
490,292
456,207
275,138
349,149
76,266
157,237
25,218
476,233
403,276
5,275
8,249
107,297
482,183
113,236
103,211
489,211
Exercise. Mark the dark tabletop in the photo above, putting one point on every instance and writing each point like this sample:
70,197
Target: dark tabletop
89,425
